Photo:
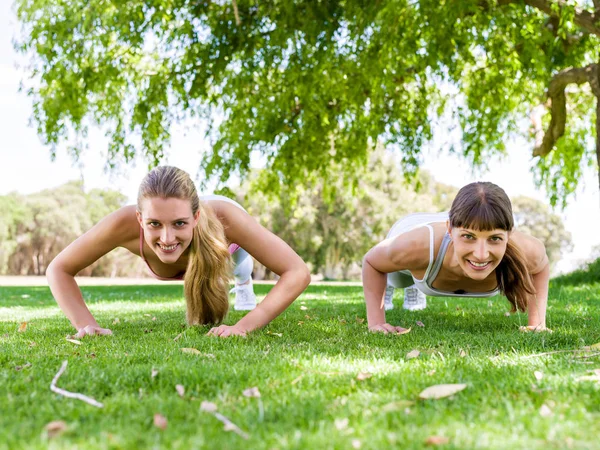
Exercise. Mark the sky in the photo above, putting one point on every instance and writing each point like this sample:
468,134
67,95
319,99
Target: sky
26,165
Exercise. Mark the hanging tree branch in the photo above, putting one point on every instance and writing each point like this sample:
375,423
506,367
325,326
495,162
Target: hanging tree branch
558,104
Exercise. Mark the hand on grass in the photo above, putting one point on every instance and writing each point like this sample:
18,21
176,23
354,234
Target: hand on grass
535,329
226,331
92,330
386,328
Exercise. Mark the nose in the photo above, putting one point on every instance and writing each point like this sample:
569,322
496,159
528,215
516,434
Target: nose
481,251
166,235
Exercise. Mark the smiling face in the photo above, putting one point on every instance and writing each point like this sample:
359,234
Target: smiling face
168,225
478,253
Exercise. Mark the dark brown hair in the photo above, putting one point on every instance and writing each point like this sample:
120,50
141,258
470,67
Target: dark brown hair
206,283
483,206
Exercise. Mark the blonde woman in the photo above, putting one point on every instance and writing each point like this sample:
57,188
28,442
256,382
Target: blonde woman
181,236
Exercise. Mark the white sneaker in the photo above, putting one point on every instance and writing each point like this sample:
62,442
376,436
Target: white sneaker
414,299
245,300
388,299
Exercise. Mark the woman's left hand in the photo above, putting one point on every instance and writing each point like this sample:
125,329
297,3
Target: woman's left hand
226,331
535,329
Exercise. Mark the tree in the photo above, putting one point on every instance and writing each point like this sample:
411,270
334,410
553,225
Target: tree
309,85
36,227
534,218
333,236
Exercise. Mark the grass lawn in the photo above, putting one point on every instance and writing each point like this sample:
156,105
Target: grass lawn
305,365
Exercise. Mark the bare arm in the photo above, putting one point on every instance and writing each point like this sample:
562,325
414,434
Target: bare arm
276,255
539,267
403,252
103,237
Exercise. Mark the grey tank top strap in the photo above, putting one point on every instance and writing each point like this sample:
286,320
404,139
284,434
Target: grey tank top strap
439,260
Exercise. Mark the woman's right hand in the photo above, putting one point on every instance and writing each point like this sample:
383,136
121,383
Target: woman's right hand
92,330
386,328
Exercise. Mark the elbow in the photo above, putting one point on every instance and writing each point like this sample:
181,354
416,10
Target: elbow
304,276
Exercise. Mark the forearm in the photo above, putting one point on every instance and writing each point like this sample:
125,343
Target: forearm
289,286
374,283
536,308
69,298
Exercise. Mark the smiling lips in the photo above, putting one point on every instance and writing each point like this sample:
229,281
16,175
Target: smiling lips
478,266
168,248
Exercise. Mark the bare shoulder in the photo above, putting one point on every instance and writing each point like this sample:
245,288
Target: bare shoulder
122,224
227,211
532,248
118,229
410,250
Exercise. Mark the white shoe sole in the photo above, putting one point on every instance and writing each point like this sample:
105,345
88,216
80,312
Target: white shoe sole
244,307
414,308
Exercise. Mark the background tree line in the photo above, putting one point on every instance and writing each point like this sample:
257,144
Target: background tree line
331,235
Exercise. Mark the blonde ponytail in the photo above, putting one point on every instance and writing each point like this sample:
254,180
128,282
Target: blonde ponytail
206,283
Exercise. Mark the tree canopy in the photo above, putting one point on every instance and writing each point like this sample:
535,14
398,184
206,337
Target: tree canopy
311,86
333,237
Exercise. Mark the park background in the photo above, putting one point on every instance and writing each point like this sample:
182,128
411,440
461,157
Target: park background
315,377
48,203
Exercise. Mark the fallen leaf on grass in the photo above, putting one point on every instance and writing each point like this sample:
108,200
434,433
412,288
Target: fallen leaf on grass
252,392
193,351
154,318
25,296
538,375
441,391
153,373
421,324
275,334
413,354
297,379
22,327
363,376
303,308
160,421
180,390
55,428
507,314
462,353
178,336
208,407
396,406
341,424
405,331
360,320
595,346
25,366
32,344
73,341
431,372
147,315
116,321
436,440
356,443
545,411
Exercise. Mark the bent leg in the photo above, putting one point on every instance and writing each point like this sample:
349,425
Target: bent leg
245,300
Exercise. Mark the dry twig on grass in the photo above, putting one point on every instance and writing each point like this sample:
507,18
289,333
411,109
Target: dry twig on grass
83,398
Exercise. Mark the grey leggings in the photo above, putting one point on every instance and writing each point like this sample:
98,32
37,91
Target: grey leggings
243,266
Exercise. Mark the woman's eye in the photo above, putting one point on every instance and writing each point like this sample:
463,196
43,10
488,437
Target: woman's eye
155,224
179,224
467,236
496,239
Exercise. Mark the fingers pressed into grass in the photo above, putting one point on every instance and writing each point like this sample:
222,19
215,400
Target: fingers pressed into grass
226,331
92,330
386,328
